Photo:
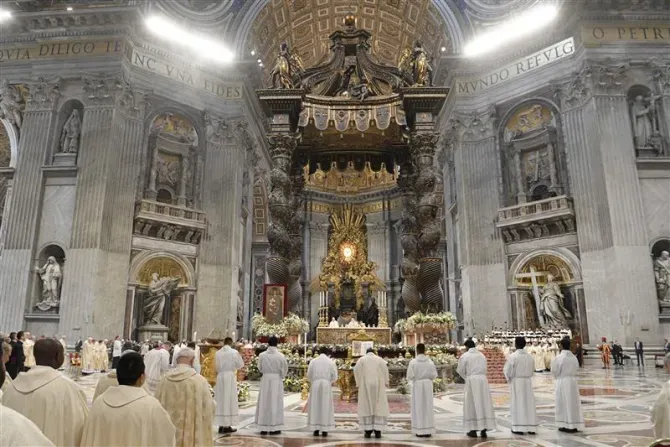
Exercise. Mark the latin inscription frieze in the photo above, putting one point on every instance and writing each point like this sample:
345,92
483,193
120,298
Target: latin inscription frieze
52,50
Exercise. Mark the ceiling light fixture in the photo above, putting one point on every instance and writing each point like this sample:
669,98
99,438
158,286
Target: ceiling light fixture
5,15
69,8
205,47
443,49
253,52
521,25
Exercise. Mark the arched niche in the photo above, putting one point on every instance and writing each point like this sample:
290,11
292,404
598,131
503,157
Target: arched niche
49,272
660,253
659,245
532,160
646,121
174,161
67,139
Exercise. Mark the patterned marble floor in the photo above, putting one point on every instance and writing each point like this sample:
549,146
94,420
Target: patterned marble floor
616,406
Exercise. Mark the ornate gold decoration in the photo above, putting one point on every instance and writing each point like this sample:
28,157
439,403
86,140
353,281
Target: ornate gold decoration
350,181
164,266
347,383
348,231
208,360
527,120
344,335
544,265
175,127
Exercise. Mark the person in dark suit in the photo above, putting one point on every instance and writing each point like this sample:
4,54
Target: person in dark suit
17,358
579,353
639,352
616,354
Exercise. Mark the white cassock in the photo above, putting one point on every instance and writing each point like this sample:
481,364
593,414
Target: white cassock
478,406
52,401
538,356
228,360
175,352
16,430
270,408
569,414
518,371
420,373
128,416
104,383
156,363
185,396
322,372
372,377
66,360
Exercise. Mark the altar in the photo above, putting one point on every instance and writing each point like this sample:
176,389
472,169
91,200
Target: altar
343,335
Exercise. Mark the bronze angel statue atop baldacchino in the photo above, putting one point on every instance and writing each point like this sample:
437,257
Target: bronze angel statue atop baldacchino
288,69
415,63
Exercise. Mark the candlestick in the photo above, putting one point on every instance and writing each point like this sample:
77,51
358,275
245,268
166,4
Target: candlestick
194,336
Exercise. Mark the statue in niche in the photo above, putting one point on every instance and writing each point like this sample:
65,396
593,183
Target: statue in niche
662,275
69,137
553,310
10,104
645,123
373,314
51,275
159,291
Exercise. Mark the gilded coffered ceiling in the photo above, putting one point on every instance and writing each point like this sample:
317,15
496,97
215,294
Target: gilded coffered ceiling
306,24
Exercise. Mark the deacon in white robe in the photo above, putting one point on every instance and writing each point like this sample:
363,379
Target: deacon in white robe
372,378
564,368
420,373
156,362
228,361
321,373
126,415
478,412
270,407
660,412
185,396
518,371
52,401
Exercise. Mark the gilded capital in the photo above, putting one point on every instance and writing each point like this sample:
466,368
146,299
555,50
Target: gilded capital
423,144
282,145
42,94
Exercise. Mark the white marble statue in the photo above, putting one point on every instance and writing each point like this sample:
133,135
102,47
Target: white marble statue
553,310
69,137
662,275
643,112
159,292
10,104
51,276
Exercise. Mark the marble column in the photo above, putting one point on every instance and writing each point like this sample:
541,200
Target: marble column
86,279
22,223
616,266
215,308
483,286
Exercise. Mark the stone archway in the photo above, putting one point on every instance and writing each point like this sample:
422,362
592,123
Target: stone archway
176,313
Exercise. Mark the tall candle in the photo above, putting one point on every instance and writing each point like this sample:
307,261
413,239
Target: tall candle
194,336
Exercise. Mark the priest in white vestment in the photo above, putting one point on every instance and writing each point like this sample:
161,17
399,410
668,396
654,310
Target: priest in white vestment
228,361
478,412
16,430
52,401
372,378
420,373
660,412
321,373
538,356
185,396
104,383
270,407
87,354
126,415
564,368
519,370
28,347
157,363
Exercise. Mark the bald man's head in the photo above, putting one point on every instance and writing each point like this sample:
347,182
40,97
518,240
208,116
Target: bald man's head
48,352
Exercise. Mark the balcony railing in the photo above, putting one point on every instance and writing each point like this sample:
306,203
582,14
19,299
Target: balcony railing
555,207
169,222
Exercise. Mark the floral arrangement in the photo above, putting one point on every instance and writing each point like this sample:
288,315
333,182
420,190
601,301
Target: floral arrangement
242,391
295,325
343,364
291,325
399,326
439,386
252,370
403,387
442,321
292,383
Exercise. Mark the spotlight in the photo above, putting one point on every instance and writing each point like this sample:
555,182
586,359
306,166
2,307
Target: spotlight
253,52
511,30
205,47
5,15
69,8
443,49
259,61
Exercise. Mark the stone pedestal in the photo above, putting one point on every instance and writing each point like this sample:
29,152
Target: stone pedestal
153,332
665,310
65,159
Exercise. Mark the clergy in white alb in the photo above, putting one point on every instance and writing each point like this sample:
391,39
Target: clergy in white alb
270,407
185,396
420,373
28,350
16,430
564,368
87,354
478,412
519,369
175,353
372,378
660,412
126,415
538,356
228,361
321,373
52,401
157,363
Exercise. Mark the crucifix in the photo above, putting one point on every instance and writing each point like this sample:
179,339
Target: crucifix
533,275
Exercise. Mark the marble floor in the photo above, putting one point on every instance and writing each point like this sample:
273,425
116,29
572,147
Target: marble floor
616,408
